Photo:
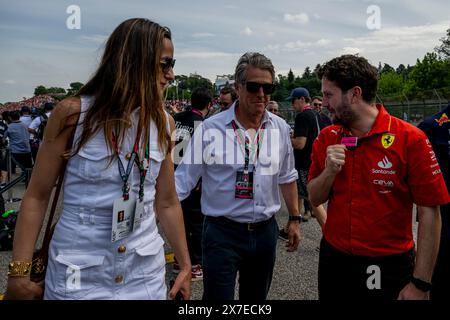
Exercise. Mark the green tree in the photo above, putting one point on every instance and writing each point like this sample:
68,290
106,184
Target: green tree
55,90
387,69
184,85
39,90
307,74
400,69
74,88
390,83
281,80
290,76
380,67
444,49
312,84
431,73
316,70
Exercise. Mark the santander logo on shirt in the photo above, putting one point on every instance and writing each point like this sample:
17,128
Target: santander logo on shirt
385,163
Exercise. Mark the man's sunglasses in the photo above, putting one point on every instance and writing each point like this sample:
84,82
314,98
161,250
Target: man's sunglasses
253,87
317,104
167,64
223,103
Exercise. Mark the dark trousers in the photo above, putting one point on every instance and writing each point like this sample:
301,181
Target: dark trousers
230,247
23,159
34,145
3,159
441,275
193,224
349,277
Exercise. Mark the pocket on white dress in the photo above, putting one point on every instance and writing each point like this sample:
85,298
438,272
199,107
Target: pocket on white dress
78,274
149,259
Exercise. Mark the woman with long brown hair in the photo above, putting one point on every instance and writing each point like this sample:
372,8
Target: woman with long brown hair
106,244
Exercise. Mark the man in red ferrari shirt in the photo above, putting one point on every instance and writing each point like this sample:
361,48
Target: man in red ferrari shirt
371,167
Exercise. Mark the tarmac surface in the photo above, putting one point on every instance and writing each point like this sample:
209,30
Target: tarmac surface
295,274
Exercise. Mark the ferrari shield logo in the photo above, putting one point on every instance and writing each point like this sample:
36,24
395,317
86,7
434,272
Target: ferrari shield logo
387,140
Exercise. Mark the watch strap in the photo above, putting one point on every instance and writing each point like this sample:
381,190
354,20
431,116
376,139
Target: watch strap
421,284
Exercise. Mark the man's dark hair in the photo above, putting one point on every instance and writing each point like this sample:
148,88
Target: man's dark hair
255,60
348,71
229,89
25,109
48,106
200,98
5,116
14,115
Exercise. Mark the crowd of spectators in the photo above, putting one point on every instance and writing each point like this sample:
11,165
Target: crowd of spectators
33,103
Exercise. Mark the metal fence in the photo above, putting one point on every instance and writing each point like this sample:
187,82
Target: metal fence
5,156
414,111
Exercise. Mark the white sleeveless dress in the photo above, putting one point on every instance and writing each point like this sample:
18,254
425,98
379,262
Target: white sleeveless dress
83,262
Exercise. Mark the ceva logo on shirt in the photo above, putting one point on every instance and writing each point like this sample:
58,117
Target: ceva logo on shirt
385,163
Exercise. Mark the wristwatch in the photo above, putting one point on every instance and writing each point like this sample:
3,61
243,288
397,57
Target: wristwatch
296,218
420,284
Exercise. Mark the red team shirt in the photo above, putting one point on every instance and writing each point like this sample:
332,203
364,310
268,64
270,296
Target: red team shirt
371,200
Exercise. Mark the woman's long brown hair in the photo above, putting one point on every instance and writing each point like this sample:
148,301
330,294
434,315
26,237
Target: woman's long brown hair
128,78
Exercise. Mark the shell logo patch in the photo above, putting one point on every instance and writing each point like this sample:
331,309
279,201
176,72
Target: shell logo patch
387,140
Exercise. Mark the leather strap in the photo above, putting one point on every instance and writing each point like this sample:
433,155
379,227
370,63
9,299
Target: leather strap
48,229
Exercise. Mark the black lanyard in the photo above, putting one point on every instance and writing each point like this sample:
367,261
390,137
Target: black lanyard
143,168
246,144
124,175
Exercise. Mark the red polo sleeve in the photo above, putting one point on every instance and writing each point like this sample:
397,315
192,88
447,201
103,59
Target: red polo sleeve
318,156
424,174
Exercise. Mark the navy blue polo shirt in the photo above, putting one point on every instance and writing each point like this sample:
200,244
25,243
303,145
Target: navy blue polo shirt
437,128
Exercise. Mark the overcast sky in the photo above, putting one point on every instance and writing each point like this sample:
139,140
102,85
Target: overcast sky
37,47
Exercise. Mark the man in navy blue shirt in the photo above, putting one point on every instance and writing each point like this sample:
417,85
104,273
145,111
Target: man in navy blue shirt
437,128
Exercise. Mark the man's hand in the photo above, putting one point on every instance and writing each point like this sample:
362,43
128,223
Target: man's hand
335,158
293,236
182,284
22,288
410,292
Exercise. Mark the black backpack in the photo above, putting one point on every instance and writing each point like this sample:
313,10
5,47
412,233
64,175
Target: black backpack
41,128
3,128
7,227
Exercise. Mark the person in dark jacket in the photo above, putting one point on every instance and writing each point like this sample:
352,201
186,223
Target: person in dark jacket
437,129
185,123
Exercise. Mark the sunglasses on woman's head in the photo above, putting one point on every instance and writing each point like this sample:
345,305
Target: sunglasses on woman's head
253,87
167,64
